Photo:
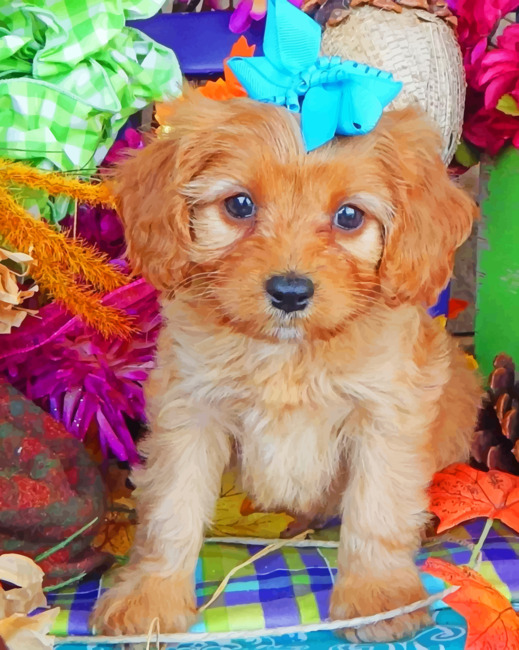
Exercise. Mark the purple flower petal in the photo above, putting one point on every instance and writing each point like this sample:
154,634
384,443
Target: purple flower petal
241,17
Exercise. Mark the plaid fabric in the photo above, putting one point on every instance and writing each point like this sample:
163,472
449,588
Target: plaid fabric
292,586
49,489
71,74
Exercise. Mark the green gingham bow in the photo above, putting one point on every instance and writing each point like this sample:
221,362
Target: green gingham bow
71,73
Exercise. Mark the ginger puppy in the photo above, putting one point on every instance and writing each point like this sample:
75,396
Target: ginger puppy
294,288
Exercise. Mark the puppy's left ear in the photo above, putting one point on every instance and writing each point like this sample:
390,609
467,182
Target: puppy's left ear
432,217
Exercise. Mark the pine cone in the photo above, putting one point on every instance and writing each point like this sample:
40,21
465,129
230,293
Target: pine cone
496,445
333,12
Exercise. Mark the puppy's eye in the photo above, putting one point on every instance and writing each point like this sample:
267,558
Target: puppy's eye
240,206
348,217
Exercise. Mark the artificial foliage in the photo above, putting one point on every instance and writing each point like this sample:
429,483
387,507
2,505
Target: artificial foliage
20,627
71,74
86,380
85,377
74,274
458,494
492,623
492,106
12,296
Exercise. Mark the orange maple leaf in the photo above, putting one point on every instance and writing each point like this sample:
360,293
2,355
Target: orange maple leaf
460,492
492,623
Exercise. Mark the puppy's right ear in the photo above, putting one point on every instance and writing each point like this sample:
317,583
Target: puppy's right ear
154,214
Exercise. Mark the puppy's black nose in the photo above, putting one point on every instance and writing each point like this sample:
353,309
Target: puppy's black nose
289,292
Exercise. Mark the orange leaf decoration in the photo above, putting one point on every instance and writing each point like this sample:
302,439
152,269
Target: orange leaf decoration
229,86
219,90
492,623
456,307
460,492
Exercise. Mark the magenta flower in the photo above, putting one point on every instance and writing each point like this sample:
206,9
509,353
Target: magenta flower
477,20
132,139
491,74
249,10
82,379
100,226
75,374
489,129
499,71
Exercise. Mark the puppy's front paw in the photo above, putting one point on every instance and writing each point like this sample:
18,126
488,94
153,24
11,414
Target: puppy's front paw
131,606
355,596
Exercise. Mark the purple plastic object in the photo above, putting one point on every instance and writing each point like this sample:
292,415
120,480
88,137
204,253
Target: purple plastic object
201,41
442,306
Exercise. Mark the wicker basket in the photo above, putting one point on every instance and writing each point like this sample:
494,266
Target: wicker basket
420,49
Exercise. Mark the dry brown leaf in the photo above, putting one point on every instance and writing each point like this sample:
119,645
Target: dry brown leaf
235,516
18,258
415,4
11,297
23,633
115,536
8,286
27,576
10,318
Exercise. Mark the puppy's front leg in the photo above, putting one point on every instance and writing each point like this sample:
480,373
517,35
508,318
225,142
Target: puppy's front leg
383,513
176,495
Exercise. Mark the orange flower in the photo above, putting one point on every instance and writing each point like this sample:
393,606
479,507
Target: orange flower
228,86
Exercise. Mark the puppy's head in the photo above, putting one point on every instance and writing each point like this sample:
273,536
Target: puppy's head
229,210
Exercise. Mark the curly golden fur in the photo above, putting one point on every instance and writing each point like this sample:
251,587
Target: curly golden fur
360,395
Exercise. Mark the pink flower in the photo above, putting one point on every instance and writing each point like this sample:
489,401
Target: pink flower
477,20
132,140
249,10
490,74
499,68
490,130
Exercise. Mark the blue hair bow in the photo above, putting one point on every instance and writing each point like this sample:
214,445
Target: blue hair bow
334,97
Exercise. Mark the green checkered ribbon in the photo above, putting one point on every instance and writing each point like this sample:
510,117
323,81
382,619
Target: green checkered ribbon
71,73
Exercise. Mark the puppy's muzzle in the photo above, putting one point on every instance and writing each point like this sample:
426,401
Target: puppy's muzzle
289,293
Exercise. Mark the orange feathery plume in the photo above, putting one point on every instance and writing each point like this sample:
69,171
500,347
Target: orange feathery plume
74,273
55,183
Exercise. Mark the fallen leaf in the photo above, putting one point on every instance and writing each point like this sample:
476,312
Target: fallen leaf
459,493
11,296
456,307
492,623
27,576
28,633
115,536
235,515
18,258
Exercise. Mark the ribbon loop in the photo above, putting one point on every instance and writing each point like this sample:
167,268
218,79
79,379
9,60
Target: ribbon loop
335,97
